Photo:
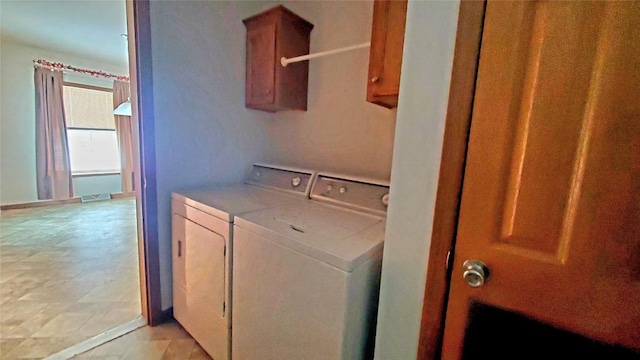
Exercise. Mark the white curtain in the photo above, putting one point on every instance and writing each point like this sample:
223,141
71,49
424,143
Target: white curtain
125,139
53,167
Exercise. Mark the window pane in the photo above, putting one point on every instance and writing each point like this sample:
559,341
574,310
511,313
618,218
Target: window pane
93,150
87,108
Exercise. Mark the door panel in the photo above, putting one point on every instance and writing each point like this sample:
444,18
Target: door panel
261,64
204,270
551,195
199,284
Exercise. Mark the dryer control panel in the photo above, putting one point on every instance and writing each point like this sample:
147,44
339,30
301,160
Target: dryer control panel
357,194
288,179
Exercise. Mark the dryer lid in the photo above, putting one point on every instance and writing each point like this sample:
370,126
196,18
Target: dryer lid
225,203
267,186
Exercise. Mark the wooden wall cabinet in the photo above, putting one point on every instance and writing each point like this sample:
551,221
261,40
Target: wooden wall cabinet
271,35
385,57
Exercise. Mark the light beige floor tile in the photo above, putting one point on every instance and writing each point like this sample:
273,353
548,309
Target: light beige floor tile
179,349
146,350
134,344
51,257
116,347
39,348
28,327
7,345
6,275
62,325
198,353
168,331
103,321
106,293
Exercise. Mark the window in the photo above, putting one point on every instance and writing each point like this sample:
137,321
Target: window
93,145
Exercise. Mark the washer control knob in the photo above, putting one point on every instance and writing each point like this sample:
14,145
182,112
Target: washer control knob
296,181
385,199
343,190
329,187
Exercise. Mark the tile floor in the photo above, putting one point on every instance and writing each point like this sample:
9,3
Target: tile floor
168,341
67,273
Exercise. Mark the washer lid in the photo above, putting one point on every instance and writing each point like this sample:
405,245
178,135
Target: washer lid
225,203
340,237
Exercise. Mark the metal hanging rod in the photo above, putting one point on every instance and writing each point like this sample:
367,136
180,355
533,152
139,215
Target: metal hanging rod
284,61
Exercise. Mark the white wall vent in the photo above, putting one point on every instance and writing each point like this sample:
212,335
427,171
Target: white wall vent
97,197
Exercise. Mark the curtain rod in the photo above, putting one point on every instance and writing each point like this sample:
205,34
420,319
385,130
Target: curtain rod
284,61
68,68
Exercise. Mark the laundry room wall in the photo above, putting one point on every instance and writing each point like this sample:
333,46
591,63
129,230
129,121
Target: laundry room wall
204,136
340,131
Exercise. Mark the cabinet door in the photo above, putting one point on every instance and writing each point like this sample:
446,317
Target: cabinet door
385,58
261,64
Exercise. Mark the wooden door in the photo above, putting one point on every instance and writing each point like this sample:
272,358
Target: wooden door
551,194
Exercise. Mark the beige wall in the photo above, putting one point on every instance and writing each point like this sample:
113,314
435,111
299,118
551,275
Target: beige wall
17,118
206,136
340,131
426,75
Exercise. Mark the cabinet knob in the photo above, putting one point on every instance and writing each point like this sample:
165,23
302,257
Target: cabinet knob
375,79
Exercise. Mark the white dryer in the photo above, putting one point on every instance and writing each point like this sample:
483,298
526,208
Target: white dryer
306,275
202,247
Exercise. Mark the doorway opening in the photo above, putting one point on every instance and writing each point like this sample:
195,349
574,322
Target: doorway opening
69,266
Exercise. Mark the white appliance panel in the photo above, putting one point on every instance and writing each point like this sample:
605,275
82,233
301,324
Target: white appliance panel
202,229
199,284
306,275
291,306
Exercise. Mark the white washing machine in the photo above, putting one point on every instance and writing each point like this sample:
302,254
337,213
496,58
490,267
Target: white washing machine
306,275
202,247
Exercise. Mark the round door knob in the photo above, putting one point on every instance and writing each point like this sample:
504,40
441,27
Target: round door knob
475,272
385,199
343,190
375,79
296,182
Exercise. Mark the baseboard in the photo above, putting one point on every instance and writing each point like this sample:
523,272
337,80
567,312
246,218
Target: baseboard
123,195
43,203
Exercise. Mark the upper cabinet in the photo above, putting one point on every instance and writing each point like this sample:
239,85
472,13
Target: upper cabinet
385,57
271,35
